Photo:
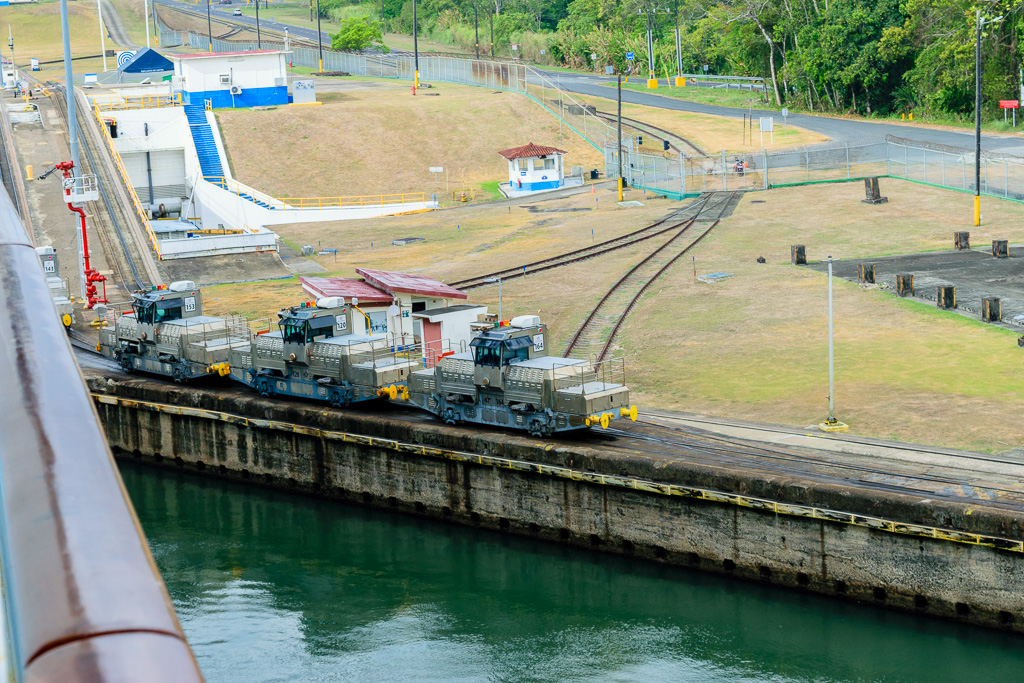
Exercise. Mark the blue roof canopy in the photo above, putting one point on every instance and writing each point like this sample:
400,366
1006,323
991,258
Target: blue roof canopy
147,60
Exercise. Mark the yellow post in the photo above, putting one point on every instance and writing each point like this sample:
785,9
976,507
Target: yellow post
977,210
652,83
416,80
911,116
620,188
680,82
28,173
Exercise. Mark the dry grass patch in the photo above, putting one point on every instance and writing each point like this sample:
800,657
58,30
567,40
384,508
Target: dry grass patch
383,141
36,30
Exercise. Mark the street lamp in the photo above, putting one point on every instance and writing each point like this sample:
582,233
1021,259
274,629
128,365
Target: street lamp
209,24
415,49
492,280
831,424
476,30
259,42
319,37
977,113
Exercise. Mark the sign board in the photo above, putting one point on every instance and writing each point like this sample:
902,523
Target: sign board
437,169
630,56
124,57
785,111
767,124
190,304
341,320
1009,104
90,78
34,63
705,68
543,52
593,56
609,70
49,267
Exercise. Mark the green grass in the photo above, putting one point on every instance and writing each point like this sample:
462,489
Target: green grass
489,191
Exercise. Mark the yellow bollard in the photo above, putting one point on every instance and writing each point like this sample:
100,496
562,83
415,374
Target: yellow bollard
911,116
28,173
652,83
680,82
903,117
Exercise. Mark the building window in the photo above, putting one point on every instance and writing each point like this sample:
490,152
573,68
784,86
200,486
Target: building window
225,79
549,164
524,164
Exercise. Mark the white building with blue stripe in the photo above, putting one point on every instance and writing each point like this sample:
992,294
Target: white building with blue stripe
232,79
534,167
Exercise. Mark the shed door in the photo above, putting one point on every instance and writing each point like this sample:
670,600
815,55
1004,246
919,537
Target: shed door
432,347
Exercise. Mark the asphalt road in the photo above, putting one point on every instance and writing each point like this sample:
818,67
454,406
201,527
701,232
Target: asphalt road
841,130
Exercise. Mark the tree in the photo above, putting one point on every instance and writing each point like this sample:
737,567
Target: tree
358,34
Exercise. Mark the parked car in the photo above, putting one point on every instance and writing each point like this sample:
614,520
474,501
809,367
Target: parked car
237,12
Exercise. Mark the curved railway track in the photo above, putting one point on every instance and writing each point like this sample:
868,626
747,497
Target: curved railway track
121,259
597,333
654,131
570,257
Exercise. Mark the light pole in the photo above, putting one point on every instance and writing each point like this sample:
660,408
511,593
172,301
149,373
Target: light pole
145,9
103,36
259,43
319,37
476,29
415,49
831,424
498,280
977,113
618,141
209,24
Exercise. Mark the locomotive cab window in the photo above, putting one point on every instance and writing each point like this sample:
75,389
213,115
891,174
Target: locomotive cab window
293,331
168,310
321,328
144,311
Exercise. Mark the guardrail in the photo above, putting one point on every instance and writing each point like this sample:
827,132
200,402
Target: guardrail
84,600
120,102
316,203
132,195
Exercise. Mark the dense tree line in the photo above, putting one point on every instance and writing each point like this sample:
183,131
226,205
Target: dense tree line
864,56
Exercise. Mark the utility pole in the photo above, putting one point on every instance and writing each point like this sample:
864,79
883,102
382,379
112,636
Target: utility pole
145,8
209,24
259,43
476,29
650,51
492,32
319,37
977,112
618,140
415,48
679,46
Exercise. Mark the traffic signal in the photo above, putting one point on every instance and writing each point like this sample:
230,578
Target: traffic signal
664,145
639,140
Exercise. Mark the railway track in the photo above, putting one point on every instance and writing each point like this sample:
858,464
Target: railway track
661,227
960,480
595,336
120,254
654,131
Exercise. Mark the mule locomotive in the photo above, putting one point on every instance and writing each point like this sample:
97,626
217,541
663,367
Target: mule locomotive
167,334
314,354
58,285
507,380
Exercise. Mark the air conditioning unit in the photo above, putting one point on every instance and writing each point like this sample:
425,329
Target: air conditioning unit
236,90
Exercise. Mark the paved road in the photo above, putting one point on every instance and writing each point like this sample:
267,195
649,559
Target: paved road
842,130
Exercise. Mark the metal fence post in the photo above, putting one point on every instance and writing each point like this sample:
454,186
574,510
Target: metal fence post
1006,179
906,163
725,177
764,154
847,161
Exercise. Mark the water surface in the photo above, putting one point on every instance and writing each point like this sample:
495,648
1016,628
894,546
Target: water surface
276,587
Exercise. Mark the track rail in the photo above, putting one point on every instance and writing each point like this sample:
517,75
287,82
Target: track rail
123,263
570,257
605,320
660,133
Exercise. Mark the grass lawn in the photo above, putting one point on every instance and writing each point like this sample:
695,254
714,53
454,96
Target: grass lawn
36,31
383,140
752,346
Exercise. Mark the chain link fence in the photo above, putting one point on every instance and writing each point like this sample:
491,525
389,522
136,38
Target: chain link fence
682,175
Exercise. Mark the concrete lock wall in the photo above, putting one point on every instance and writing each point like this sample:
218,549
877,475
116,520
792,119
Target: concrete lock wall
578,496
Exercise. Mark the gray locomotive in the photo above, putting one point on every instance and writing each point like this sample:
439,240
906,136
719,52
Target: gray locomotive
167,334
507,380
314,354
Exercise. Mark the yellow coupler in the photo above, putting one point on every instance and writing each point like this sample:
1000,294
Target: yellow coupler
604,419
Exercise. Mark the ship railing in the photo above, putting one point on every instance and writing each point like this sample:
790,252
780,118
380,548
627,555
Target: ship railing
389,350
434,351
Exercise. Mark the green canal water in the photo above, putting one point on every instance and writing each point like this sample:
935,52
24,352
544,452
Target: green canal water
276,587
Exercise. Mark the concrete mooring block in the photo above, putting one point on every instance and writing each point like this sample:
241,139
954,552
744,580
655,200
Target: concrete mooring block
867,273
904,285
962,240
872,195
991,309
798,255
1001,248
945,296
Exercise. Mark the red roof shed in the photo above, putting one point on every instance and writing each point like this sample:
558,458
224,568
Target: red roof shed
412,284
346,287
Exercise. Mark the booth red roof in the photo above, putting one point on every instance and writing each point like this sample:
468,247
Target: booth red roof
412,284
346,287
529,150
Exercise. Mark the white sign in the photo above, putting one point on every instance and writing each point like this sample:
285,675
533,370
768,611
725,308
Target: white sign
593,56
767,124
190,304
34,63
437,169
124,57
538,342
341,321
49,267
785,111
91,78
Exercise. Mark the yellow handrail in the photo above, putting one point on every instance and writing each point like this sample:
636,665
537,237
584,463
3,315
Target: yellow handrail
304,203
